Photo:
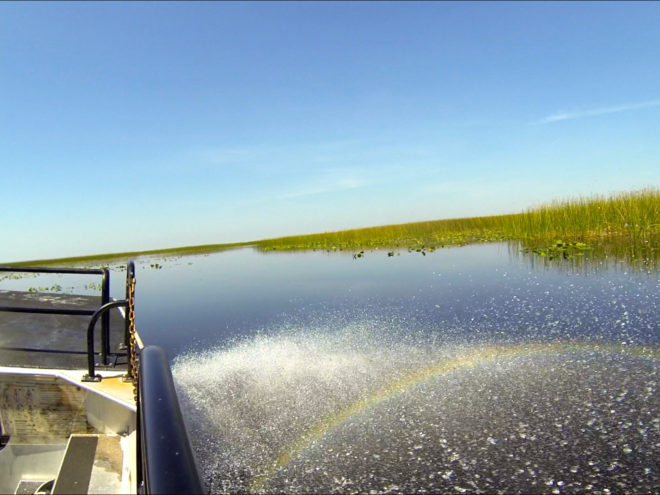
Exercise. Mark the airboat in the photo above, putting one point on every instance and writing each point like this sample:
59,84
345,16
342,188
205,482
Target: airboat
85,407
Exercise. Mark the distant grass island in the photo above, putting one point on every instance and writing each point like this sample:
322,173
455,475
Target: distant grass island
630,221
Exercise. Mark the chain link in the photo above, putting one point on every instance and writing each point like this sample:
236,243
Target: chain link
133,358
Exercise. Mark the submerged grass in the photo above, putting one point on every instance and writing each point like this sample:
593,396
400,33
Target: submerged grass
623,225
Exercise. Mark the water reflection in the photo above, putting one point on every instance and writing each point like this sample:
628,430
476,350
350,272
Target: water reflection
475,293
623,252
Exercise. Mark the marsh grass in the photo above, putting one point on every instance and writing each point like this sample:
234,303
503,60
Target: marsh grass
623,225
430,234
108,258
633,216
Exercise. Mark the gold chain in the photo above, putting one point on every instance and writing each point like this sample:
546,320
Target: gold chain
132,364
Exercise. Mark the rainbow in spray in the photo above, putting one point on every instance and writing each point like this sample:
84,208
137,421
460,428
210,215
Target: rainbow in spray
466,360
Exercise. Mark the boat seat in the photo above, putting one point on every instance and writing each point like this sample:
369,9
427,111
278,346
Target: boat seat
30,487
76,468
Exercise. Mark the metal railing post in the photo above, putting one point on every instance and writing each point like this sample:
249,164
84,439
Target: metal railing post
102,311
105,320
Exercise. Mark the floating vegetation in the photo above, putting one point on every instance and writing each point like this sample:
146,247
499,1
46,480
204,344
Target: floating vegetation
607,252
156,266
17,276
52,288
561,249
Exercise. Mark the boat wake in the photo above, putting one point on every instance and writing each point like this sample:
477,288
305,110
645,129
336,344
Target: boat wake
359,409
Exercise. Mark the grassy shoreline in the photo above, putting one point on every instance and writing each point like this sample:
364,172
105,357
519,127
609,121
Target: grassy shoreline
632,215
629,218
125,255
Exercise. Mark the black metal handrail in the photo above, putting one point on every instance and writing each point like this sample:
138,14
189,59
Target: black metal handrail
102,312
48,311
91,376
168,463
51,269
105,298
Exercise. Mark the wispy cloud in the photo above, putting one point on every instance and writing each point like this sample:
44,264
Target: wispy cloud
578,114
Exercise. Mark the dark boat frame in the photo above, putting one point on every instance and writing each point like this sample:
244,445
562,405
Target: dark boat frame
165,459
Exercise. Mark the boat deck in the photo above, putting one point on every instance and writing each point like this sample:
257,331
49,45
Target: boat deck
59,433
55,341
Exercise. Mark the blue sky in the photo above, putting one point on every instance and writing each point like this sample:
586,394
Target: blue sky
130,126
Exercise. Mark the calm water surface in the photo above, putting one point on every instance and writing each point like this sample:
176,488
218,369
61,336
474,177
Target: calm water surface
467,370
481,293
